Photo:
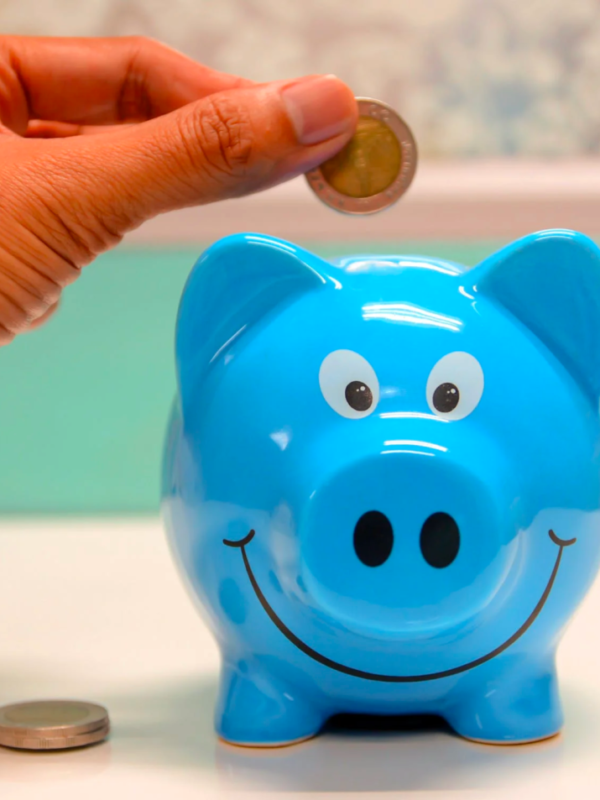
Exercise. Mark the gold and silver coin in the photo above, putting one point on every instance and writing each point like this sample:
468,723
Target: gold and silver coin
52,724
374,169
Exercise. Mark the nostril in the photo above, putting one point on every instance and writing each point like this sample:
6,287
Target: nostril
373,538
440,540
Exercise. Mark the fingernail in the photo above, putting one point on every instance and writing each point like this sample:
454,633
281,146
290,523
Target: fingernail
319,108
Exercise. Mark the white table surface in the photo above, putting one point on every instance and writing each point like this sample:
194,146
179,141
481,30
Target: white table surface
95,610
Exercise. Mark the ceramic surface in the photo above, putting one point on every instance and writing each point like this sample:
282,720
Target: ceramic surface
381,480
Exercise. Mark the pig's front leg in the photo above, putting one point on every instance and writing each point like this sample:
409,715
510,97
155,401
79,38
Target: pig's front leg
516,702
256,710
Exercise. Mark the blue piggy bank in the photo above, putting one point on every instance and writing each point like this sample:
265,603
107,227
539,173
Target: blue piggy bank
382,480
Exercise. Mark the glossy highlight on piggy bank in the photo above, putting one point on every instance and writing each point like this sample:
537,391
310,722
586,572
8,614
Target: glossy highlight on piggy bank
382,480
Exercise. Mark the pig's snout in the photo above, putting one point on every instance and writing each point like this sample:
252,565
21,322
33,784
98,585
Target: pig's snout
406,541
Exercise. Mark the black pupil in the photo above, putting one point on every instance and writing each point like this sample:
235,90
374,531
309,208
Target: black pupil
440,540
446,397
373,538
359,396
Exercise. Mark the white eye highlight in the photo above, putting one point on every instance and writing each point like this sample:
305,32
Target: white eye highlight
455,386
349,384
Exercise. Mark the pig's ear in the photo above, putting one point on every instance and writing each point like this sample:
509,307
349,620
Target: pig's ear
232,286
550,281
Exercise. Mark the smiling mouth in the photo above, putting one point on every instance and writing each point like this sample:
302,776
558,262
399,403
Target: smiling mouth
374,676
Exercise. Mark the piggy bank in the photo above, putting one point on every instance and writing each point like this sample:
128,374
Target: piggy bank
382,480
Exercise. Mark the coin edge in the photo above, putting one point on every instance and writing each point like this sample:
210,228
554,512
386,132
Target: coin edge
56,742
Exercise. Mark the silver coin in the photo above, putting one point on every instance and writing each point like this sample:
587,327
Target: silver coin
374,169
41,742
52,724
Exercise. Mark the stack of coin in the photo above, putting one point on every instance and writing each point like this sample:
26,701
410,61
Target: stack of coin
52,724
374,169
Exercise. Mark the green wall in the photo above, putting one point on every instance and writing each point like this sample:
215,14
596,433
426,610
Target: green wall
84,400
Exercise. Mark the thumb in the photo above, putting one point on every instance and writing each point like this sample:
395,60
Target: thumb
229,144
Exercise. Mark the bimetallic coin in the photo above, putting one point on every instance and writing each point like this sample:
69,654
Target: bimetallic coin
374,169
52,724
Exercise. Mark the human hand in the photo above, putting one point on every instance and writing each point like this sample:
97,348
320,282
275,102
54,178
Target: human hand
98,135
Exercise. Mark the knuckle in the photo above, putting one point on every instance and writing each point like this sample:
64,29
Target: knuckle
6,336
133,100
14,317
143,48
225,136
39,291
138,42
22,299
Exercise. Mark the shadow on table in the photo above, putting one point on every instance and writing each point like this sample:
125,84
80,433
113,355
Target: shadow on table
169,726
414,754
172,726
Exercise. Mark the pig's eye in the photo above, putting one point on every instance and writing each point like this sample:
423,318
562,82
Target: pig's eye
349,384
455,386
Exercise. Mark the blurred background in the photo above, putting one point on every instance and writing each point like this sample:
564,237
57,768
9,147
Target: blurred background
503,98
474,77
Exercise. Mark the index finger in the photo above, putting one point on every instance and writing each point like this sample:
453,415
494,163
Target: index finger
98,81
